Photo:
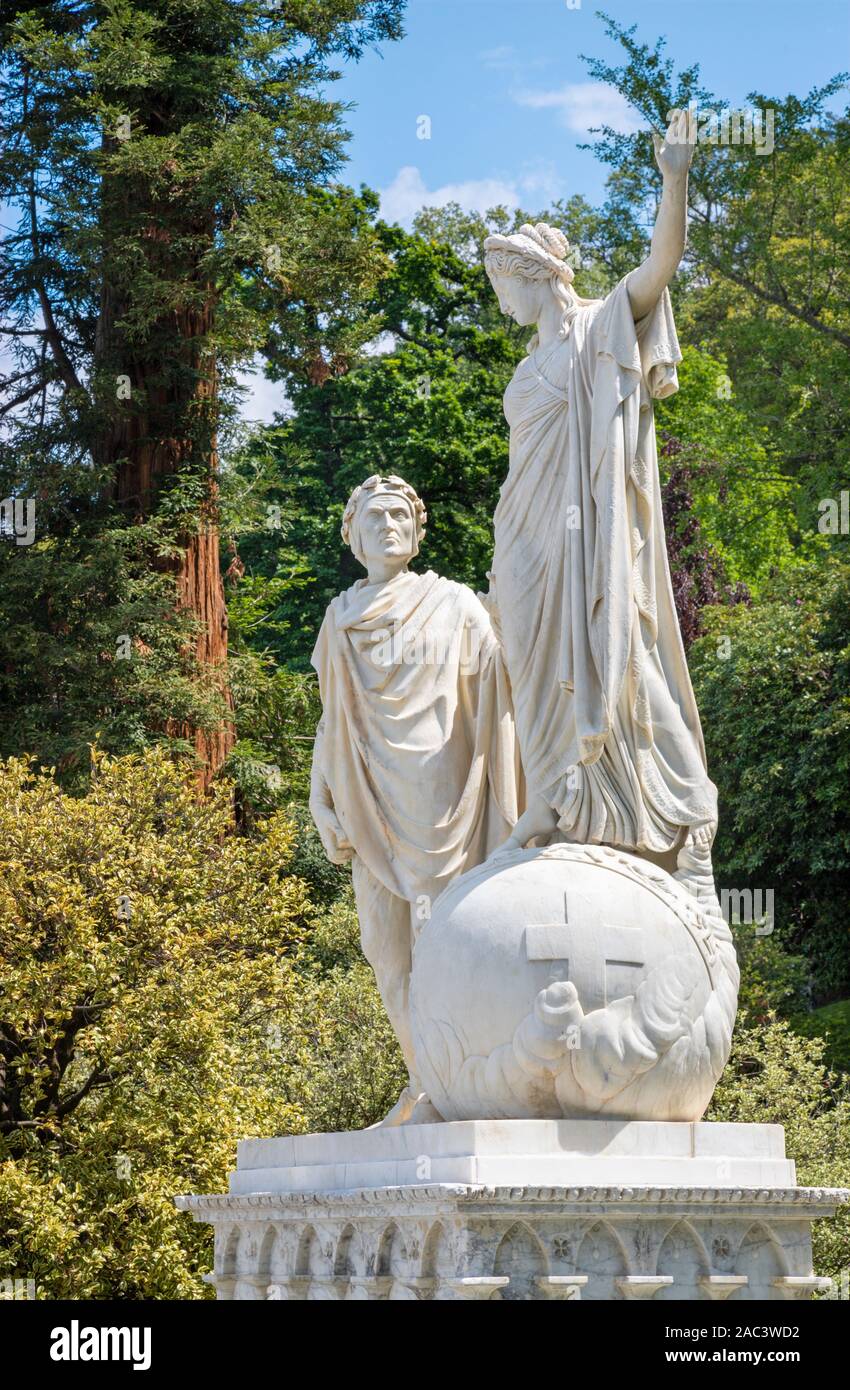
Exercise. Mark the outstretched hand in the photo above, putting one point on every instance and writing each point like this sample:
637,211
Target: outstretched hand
674,153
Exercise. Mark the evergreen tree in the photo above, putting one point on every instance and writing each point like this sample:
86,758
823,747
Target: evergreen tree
765,284
171,163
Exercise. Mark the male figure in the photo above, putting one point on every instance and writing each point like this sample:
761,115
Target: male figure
416,773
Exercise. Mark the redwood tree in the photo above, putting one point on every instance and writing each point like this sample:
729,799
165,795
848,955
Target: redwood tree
172,166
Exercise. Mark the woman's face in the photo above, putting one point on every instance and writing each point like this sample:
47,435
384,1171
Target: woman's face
519,298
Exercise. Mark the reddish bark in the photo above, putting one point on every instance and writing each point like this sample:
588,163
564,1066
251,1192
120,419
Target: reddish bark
200,589
143,449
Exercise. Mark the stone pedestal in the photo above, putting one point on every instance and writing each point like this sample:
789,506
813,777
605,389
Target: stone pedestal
517,1209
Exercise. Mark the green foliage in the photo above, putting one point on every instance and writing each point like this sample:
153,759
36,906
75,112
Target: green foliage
744,506
182,155
276,716
776,1077
326,881
773,980
764,287
166,991
168,168
144,950
831,1022
92,645
780,1072
349,1071
773,684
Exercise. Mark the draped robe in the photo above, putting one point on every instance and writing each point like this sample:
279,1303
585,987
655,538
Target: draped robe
606,717
417,742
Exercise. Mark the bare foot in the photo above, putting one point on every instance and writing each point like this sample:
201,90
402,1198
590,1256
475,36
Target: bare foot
694,870
411,1108
539,819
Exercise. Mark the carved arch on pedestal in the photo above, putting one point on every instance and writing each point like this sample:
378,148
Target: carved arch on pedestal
681,1239
761,1257
521,1257
603,1257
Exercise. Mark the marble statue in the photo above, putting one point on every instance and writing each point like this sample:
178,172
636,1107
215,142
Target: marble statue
606,717
564,997
591,971
416,775
601,990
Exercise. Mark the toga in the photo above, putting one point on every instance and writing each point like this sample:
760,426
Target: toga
417,742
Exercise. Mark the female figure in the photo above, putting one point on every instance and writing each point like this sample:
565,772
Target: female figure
606,718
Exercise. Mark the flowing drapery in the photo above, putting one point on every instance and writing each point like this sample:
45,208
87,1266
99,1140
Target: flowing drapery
418,744
606,717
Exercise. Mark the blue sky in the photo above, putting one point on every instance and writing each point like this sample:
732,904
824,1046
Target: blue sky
509,98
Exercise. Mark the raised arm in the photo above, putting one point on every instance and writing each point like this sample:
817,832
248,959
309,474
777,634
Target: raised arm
673,155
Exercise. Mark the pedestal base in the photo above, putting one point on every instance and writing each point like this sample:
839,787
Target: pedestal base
517,1209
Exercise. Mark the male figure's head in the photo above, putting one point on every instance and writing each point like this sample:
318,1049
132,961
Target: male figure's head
384,522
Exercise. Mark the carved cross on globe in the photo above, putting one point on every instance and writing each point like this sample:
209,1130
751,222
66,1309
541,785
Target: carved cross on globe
589,949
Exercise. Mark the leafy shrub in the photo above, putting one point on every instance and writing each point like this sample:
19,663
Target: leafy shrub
776,1077
773,685
165,991
143,950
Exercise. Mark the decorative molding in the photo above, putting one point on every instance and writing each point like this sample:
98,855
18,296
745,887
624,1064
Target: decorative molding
438,1242
462,1194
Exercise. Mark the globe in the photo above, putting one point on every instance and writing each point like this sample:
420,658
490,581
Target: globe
571,981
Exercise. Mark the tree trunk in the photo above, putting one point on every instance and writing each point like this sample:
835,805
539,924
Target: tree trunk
201,591
143,447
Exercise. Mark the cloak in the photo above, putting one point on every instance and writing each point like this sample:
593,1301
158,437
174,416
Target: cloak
417,742
606,717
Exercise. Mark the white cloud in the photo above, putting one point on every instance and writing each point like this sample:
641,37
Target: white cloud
504,57
408,193
376,347
584,104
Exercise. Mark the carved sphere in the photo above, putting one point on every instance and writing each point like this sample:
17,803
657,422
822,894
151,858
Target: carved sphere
569,982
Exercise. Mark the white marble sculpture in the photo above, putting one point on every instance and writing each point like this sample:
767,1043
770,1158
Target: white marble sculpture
569,1003
607,722
415,771
600,989
584,979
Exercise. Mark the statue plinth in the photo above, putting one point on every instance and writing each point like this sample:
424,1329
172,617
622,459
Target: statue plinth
546,983
517,1209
